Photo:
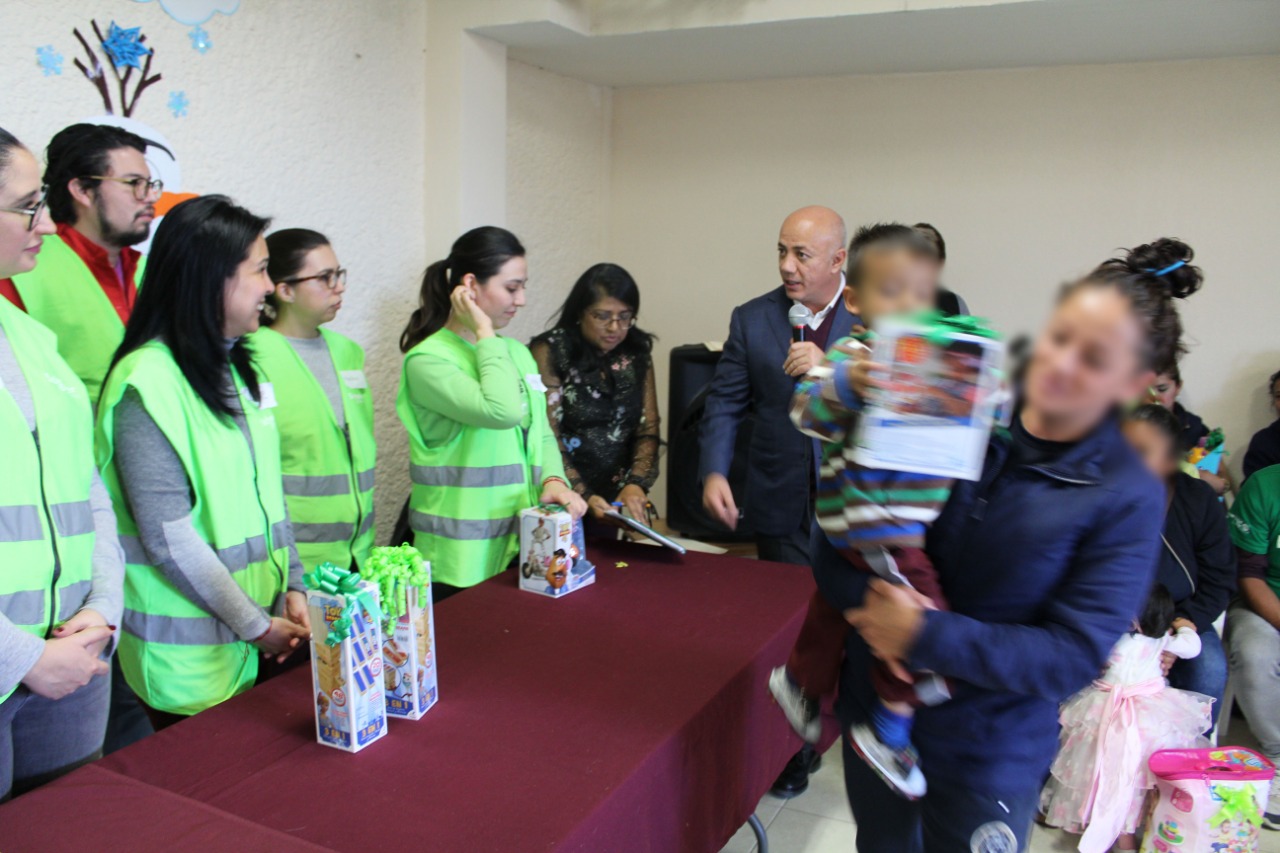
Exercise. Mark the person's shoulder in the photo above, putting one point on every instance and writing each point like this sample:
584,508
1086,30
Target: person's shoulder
1265,482
768,301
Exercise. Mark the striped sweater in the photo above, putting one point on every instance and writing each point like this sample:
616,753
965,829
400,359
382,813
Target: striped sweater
859,508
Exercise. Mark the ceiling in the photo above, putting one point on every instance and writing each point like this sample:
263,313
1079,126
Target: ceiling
1003,35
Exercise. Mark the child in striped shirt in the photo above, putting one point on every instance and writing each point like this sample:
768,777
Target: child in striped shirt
877,518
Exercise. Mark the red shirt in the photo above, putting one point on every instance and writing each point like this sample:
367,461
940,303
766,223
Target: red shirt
122,292
8,291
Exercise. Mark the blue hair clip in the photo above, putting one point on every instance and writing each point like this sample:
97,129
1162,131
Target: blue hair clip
1176,265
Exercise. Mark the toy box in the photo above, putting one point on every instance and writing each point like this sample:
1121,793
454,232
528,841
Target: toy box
553,555
1209,800
942,387
409,634
346,659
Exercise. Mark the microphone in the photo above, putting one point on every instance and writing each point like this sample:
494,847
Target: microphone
799,317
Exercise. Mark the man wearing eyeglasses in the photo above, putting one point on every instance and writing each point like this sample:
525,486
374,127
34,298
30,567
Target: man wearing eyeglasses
102,197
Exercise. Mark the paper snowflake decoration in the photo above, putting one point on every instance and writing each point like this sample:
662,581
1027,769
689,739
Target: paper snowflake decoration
200,40
50,60
178,103
125,46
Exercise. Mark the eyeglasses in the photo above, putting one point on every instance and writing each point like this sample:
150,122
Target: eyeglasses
604,319
333,279
33,212
142,187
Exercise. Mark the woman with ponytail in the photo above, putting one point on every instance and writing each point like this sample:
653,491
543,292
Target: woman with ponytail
1046,560
476,412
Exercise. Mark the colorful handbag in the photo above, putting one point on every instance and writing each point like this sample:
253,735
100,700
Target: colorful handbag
1210,800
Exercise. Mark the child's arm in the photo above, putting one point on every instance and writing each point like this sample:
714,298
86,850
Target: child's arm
824,405
1185,643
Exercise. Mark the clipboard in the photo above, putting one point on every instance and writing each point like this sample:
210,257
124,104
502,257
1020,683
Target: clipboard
646,531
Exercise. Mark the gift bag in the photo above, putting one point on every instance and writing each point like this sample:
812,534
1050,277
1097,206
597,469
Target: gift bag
408,631
1209,800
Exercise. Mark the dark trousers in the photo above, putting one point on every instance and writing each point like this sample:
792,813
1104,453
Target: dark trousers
814,664
951,817
792,548
127,720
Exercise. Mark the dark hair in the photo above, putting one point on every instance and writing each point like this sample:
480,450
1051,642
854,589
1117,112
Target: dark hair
886,235
599,282
480,252
1143,276
1160,418
8,142
197,247
1271,383
1158,613
936,236
288,248
78,151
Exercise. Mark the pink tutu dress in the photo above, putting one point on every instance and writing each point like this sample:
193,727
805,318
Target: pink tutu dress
1100,778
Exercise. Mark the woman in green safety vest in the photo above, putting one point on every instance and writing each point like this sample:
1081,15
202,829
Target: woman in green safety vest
476,412
189,450
60,588
324,409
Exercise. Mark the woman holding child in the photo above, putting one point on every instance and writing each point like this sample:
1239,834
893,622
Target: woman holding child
1044,563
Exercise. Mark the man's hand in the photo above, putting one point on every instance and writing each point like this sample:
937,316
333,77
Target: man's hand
801,358
717,499
68,663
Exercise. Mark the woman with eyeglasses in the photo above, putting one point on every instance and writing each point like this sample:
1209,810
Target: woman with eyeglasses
324,411
476,412
63,570
189,450
602,400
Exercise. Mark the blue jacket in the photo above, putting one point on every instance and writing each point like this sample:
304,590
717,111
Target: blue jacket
749,382
1044,570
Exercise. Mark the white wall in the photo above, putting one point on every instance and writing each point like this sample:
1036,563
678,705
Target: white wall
558,141
309,113
1033,176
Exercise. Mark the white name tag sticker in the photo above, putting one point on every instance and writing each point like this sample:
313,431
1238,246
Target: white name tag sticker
266,395
535,382
354,379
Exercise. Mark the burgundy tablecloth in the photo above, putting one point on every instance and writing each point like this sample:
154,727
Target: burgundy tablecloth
630,716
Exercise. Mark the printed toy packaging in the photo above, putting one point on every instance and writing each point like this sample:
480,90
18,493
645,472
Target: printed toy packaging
409,632
943,385
1210,800
346,658
553,556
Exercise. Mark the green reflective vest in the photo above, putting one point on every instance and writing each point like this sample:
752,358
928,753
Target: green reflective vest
46,524
468,490
176,655
328,471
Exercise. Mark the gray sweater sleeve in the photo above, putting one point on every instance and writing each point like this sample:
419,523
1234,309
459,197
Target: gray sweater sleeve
159,496
107,592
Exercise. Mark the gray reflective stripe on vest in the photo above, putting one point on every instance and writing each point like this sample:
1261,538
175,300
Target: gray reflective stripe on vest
364,480
25,607
20,523
326,486
537,476
72,519
366,525
467,477
461,528
71,598
315,534
133,550
178,630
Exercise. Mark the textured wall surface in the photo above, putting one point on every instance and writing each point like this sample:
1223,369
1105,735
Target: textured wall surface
558,132
309,112
1032,175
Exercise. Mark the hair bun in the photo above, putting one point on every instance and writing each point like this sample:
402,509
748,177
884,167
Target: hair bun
1153,261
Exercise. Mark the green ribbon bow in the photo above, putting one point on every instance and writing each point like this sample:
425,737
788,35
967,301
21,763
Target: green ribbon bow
1237,804
395,571
1214,440
328,578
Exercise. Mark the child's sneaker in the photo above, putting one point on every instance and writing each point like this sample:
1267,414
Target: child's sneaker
897,767
1271,817
801,711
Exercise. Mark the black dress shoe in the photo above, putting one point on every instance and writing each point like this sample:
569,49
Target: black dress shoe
794,779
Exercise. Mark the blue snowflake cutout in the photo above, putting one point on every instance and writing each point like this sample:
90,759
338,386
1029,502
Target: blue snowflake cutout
50,60
178,103
125,46
200,40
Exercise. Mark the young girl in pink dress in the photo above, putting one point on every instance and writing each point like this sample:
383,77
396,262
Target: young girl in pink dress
1099,781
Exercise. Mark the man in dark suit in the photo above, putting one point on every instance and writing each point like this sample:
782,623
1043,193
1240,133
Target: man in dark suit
755,378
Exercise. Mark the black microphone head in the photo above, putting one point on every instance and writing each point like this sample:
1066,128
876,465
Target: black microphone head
799,315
